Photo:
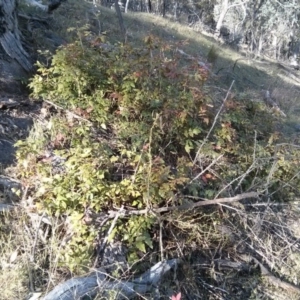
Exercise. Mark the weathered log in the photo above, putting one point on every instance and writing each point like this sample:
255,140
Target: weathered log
53,4
97,282
15,62
10,35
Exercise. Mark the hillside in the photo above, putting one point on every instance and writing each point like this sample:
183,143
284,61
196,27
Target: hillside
160,148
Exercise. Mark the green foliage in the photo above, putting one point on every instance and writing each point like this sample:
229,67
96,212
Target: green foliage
138,116
130,89
144,110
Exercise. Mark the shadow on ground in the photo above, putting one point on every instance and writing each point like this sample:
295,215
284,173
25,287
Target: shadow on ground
15,123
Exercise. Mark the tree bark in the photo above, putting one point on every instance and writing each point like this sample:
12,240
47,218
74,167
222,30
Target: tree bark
78,288
15,63
120,18
126,6
10,35
224,9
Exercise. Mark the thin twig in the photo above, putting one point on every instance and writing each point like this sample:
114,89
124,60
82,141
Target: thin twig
207,168
112,226
250,169
214,123
69,112
161,246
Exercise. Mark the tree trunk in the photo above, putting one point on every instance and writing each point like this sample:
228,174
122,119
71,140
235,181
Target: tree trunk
120,18
126,6
164,6
175,10
14,60
224,9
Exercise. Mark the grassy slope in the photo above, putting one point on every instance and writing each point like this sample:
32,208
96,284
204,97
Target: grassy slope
250,76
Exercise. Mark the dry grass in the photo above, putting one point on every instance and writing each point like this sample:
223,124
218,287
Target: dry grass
14,278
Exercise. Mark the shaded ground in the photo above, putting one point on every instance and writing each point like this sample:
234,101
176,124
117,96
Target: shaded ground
16,118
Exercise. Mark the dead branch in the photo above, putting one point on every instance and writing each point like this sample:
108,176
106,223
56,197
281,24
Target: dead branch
270,277
53,4
214,122
67,111
209,202
184,207
8,103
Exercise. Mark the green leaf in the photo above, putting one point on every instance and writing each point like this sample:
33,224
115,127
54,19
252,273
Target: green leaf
141,246
188,148
114,159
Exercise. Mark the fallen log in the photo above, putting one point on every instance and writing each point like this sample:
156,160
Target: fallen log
99,282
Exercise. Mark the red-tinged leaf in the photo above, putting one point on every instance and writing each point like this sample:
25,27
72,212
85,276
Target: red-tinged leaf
146,147
204,179
176,297
115,96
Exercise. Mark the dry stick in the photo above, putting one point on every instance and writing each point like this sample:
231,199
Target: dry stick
161,246
189,206
214,123
241,177
210,202
275,164
69,112
112,226
32,256
207,168
271,278
270,175
252,165
136,169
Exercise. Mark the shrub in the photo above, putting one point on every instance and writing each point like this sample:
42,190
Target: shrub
135,117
